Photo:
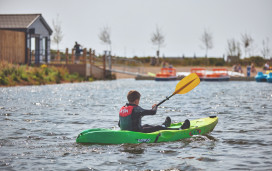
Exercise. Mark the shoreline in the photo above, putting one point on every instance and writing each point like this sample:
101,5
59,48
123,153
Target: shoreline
156,69
146,69
24,85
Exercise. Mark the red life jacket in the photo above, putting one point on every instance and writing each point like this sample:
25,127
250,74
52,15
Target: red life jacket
126,111
125,117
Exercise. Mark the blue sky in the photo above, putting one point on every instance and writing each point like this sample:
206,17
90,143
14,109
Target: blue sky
133,21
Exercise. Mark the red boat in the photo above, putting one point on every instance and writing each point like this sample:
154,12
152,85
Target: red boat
200,72
166,74
217,74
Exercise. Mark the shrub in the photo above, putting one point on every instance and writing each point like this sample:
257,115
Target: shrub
3,80
14,74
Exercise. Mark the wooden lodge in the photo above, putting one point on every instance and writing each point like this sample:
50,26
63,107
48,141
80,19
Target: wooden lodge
24,38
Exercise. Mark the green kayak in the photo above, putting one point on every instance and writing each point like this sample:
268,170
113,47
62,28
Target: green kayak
108,136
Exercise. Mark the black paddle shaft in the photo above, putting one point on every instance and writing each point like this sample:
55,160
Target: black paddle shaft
167,98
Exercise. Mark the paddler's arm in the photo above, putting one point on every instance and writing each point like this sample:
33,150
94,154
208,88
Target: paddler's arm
150,112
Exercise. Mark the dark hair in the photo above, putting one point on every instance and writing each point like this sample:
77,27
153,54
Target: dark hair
133,95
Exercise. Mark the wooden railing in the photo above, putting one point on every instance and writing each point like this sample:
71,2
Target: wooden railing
58,57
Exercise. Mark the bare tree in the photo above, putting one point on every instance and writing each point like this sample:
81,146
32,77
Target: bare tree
265,49
207,40
247,42
105,36
233,48
57,36
158,39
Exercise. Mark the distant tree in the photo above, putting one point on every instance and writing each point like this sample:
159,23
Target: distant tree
105,36
247,43
265,49
233,48
158,39
207,40
57,36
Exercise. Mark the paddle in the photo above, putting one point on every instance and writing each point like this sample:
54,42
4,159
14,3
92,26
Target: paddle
185,85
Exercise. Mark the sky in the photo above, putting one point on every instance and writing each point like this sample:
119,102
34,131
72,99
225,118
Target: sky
132,23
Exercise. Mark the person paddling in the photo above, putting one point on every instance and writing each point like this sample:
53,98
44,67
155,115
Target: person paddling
130,116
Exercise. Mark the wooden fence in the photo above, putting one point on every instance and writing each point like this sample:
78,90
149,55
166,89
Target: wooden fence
71,58
87,64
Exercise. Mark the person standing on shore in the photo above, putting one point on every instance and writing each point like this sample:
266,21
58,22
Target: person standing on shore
253,69
235,68
266,66
78,50
240,68
248,70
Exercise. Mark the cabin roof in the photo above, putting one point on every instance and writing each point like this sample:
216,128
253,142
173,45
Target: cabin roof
21,21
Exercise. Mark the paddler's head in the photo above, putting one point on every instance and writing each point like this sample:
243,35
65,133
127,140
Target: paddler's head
133,97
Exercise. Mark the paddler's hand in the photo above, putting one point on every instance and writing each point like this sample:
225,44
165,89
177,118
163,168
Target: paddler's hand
154,107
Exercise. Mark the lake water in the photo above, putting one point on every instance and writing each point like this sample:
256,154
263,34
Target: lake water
39,126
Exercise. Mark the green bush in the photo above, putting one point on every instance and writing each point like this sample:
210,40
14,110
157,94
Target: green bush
11,75
24,77
14,77
3,80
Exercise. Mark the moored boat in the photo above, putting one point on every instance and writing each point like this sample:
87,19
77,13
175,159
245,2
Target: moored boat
261,77
107,136
200,72
217,74
269,77
166,74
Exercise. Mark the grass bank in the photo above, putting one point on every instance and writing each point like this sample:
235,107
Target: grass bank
12,75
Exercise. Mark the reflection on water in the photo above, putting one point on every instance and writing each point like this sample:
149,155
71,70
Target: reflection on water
40,124
133,148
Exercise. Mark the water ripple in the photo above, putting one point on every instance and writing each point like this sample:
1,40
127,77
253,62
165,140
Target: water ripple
41,123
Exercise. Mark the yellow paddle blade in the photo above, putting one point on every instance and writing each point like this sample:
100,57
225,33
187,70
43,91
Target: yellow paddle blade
187,84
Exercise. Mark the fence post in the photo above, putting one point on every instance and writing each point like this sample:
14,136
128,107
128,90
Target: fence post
73,56
93,56
84,55
66,55
109,56
58,56
104,64
90,55
32,55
